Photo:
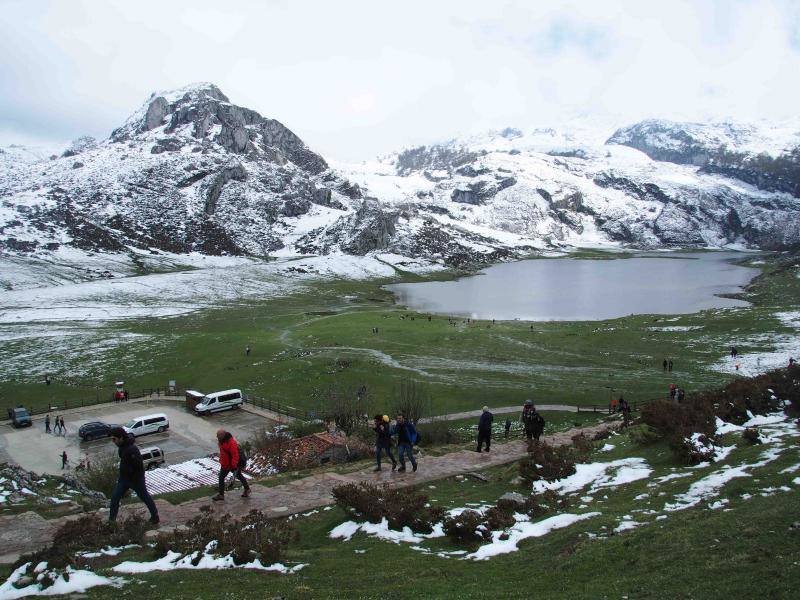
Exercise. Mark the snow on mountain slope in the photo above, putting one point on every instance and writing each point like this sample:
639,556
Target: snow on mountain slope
190,173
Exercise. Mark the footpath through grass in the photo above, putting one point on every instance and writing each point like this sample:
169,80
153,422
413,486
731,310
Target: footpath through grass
305,344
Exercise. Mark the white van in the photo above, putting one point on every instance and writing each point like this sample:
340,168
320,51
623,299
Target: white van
152,457
219,401
156,423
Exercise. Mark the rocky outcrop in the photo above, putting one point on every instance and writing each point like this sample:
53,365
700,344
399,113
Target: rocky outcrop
233,173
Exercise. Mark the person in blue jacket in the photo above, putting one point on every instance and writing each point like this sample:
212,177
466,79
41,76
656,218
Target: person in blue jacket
406,438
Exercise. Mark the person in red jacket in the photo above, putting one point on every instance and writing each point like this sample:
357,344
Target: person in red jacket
230,460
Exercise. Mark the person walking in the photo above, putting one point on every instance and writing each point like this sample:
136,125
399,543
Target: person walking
247,350
673,389
665,365
383,441
64,460
669,366
57,426
528,412
406,438
230,461
508,426
485,429
131,474
625,409
62,427
681,395
47,423
538,424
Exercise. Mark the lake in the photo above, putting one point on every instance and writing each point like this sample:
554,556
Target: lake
567,289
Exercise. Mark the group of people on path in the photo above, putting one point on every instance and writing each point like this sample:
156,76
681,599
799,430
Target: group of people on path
59,428
232,459
407,438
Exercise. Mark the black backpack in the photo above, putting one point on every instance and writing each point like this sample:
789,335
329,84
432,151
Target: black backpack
242,459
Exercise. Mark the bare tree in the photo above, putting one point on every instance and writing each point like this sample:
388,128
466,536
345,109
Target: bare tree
346,409
411,400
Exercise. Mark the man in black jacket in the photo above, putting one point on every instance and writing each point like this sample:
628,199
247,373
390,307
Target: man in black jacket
131,474
383,441
485,429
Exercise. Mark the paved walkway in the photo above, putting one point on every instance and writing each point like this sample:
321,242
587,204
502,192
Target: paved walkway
502,410
28,532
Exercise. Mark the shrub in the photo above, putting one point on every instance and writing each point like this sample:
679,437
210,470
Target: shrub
694,449
466,528
547,462
400,507
438,432
88,532
752,435
500,516
298,428
582,447
601,435
103,475
670,419
346,409
545,502
643,435
254,536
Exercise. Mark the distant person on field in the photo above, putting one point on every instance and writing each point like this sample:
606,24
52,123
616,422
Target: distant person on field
665,365
508,426
64,459
613,405
62,427
247,351
669,365
230,461
47,423
406,438
791,361
131,474
383,440
47,380
681,395
57,426
485,429
673,389
625,409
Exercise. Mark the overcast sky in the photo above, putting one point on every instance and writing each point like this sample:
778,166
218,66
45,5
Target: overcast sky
356,79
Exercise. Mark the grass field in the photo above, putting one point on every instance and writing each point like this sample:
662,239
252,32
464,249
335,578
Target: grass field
304,344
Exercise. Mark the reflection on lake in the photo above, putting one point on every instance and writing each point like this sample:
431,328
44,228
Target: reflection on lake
581,289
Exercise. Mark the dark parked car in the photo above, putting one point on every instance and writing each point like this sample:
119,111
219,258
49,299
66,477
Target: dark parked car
19,417
95,430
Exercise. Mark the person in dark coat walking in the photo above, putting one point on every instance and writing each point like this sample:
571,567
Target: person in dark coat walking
64,459
229,462
485,429
57,425
508,426
62,427
406,438
669,365
131,474
383,441
47,423
625,409
681,395
665,365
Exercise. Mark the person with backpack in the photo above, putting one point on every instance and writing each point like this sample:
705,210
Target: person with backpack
383,441
485,429
406,438
131,474
528,418
625,409
681,395
231,460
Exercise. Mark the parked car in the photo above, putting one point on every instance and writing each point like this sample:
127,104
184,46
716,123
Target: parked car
152,457
219,401
156,423
94,430
19,417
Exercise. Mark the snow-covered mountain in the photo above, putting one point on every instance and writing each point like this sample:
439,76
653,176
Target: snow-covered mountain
190,172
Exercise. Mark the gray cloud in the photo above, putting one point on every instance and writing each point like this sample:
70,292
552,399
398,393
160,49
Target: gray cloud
355,79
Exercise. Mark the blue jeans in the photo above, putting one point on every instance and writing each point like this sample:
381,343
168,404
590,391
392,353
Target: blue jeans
404,449
140,488
379,451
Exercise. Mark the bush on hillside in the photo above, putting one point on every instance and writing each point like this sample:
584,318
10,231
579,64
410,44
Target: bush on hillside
103,475
500,516
400,507
87,533
254,536
694,449
547,462
545,502
643,435
467,528
582,447
751,435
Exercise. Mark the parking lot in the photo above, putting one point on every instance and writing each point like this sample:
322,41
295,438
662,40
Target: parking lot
188,437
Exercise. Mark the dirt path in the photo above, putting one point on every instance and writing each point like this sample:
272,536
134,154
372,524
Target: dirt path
502,410
27,532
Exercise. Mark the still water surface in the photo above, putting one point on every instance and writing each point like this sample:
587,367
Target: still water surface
582,289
